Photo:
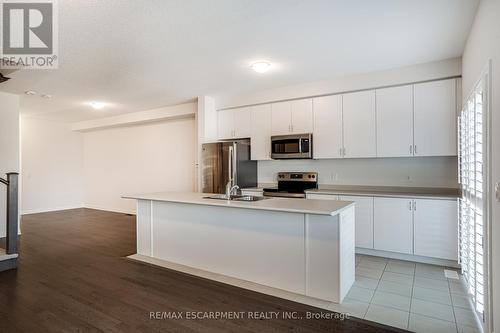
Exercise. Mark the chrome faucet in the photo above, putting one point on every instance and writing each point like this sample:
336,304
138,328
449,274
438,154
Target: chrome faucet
231,189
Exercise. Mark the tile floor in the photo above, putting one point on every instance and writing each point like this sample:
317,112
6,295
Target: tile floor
416,297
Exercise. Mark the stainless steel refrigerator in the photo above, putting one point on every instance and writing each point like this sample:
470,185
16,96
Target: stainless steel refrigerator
222,161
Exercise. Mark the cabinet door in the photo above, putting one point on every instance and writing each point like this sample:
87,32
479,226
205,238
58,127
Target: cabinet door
393,225
395,121
242,123
435,118
281,118
302,116
363,220
436,228
327,134
225,124
260,140
359,124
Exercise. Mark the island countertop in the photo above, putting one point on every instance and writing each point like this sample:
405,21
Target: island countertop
301,206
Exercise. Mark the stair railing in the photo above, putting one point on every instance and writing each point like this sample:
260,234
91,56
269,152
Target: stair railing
12,183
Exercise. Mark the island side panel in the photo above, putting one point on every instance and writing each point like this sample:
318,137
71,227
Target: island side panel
322,257
144,223
255,245
347,251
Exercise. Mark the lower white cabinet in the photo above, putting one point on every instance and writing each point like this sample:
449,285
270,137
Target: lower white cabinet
436,228
363,213
393,225
364,220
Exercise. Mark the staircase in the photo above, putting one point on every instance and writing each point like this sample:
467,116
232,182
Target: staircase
8,256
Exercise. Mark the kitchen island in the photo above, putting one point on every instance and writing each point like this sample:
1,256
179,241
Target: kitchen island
302,246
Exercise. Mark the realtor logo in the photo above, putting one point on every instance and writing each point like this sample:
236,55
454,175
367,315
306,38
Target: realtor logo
29,34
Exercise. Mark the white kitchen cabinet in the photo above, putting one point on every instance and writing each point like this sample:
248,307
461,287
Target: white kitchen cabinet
359,124
292,117
302,116
234,123
260,138
436,228
225,124
395,121
281,118
327,135
242,122
393,225
435,118
363,220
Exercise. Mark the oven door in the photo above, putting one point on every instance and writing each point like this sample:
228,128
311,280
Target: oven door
291,146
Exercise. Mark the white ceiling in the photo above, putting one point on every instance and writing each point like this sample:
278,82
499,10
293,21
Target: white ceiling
139,55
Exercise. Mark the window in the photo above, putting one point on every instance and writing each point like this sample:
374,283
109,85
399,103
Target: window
472,203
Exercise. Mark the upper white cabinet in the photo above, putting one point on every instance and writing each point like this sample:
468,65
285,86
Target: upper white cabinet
234,123
410,120
363,220
435,118
395,121
225,124
261,132
292,117
359,124
327,137
393,225
436,228
281,118
302,116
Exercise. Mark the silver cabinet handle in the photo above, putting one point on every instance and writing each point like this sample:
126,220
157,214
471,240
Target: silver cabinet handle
414,205
340,152
409,205
415,149
411,149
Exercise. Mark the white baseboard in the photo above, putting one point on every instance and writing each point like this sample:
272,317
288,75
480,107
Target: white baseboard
51,209
408,257
109,209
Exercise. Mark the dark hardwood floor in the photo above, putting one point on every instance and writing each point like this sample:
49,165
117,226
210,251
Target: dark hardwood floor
73,277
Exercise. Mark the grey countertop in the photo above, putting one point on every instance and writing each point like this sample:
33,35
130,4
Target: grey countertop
392,191
305,206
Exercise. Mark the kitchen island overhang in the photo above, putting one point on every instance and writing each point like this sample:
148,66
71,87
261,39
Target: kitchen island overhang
301,246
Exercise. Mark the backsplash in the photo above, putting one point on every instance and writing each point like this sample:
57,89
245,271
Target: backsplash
404,171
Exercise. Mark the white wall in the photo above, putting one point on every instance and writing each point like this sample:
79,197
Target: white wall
51,166
417,171
9,146
483,44
138,159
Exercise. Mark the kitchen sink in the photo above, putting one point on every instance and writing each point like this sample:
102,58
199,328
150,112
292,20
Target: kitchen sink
235,197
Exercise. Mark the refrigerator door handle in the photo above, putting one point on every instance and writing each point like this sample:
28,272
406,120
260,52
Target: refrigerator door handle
230,165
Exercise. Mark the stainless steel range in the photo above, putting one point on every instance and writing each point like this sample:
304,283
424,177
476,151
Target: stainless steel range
293,184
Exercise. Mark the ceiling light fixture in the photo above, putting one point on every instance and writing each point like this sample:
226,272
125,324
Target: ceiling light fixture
261,66
97,105
30,92
48,96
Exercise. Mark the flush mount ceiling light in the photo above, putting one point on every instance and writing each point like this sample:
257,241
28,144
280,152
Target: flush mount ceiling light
97,105
260,66
47,96
30,92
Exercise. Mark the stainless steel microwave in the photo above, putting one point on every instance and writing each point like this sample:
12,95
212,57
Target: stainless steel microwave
291,146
